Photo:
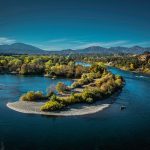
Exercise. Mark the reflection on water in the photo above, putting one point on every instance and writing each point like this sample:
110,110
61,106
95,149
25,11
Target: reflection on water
111,129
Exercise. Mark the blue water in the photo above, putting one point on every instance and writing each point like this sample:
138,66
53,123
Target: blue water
83,64
111,129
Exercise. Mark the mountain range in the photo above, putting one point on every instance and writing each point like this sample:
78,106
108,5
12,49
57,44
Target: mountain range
21,48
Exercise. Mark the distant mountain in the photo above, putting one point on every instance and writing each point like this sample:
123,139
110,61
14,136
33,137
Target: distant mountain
114,50
118,49
21,48
93,49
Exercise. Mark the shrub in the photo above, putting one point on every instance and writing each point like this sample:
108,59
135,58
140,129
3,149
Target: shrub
99,82
73,98
86,94
118,77
104,88
32,96
118,82
53,97
89,100
77,97
97,68
83,81
51,106
91,93
61,87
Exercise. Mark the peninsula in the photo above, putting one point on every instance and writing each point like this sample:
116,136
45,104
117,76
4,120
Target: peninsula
89,93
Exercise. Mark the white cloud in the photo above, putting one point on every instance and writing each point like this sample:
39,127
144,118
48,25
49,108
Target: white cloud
4,40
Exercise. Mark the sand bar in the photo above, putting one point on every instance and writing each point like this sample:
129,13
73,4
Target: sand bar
72,110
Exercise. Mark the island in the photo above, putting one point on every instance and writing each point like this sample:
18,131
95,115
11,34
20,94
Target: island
89,93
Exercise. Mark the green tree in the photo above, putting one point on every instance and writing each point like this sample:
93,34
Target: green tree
61,87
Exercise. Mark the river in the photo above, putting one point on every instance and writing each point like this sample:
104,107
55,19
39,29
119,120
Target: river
110,129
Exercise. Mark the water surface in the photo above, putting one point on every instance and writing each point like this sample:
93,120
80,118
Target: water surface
111,129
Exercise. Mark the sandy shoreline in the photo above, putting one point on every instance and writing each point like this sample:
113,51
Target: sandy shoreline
73,110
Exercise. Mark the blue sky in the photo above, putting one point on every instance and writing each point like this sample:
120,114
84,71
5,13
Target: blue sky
63,24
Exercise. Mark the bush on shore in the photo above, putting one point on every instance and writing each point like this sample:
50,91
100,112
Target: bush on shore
52,105
61,87
86,79
32,96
